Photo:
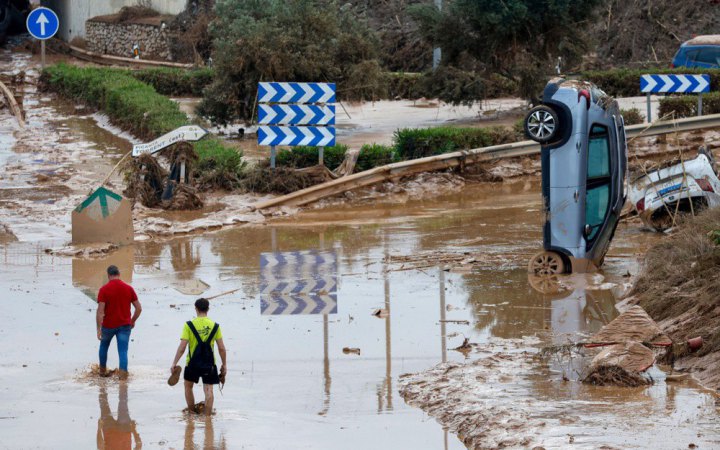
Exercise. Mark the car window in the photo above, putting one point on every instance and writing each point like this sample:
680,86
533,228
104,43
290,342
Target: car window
598,163
596,205
708,55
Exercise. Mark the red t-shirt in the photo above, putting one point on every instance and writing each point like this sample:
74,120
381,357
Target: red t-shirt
117,296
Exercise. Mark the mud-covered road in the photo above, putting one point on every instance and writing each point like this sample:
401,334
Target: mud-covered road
290,384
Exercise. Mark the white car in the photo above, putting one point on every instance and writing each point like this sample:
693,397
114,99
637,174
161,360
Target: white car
683,188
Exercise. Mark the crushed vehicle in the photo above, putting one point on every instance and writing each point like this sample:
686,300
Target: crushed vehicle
584,169
676,187
700,51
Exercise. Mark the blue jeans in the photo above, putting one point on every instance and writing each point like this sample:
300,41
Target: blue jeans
122,336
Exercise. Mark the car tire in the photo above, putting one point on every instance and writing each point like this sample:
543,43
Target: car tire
546,263
541,124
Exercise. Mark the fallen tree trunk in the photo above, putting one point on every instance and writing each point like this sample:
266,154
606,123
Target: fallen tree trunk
14,107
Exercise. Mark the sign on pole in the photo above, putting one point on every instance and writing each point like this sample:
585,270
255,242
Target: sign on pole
304,106
674,84
185,133
303,282
42,23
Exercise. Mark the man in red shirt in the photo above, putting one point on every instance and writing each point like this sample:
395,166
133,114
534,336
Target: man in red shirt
113,318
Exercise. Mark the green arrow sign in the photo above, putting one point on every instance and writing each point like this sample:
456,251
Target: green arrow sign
107,201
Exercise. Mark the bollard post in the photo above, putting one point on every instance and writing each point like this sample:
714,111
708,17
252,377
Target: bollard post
649,109
699,105
321,160
272,157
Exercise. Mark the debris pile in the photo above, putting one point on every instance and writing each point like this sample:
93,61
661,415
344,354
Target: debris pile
679,286
626,353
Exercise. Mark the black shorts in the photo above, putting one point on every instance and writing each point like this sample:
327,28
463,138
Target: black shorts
192,375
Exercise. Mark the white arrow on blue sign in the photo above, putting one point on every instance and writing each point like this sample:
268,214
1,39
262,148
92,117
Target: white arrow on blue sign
297,304
301,93
294,136
42,23
672,83
296,114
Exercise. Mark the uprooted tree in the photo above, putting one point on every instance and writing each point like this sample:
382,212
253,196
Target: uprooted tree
274,40
517,39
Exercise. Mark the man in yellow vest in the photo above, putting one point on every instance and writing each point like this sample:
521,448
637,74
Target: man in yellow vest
201,334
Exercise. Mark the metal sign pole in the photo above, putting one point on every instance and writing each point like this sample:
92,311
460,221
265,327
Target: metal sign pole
321,160
272,157
699,105
42,54
649,109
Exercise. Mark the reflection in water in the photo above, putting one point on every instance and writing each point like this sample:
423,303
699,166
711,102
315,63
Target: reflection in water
116,433
89,274
184,258
208,442
384,390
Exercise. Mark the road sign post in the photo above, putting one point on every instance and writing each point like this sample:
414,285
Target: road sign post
674,84
42,23
295,114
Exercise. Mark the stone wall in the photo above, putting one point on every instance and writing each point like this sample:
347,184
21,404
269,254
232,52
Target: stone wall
117,39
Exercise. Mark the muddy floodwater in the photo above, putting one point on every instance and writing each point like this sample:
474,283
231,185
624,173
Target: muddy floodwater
304,375
290,385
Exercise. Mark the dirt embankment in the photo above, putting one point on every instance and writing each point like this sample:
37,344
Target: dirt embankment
679,287
649,32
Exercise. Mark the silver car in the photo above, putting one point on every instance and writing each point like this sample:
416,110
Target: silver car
584,168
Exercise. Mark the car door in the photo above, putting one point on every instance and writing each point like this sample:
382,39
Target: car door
707,57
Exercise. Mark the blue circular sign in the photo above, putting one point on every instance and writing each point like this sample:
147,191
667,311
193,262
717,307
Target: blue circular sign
42,23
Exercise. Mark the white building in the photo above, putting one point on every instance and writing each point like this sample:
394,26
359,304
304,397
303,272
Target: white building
74,13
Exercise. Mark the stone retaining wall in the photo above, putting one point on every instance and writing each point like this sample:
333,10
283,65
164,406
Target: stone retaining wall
118,38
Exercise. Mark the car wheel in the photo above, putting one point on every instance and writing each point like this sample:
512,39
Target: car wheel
541,124
546,263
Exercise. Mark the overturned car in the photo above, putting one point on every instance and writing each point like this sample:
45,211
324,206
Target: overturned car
676,187
584,165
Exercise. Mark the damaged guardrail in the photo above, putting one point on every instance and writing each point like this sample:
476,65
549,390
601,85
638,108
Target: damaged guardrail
461,158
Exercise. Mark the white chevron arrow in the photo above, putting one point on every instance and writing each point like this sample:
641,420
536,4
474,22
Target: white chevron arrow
269,137
328,93
651,83
703,84
684,83
270,93
667,83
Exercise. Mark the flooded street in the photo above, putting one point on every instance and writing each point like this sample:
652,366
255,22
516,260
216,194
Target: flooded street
290,385
415,277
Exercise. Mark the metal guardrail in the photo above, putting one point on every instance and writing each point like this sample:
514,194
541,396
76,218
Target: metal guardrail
455,159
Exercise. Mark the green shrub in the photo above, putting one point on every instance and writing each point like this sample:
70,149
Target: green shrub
302,157
137,107
412,143
632,116
130,104
281,180
686,105
218,166
176,82
626,82
374,155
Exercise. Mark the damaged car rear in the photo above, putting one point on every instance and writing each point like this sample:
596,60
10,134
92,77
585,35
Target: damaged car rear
675,188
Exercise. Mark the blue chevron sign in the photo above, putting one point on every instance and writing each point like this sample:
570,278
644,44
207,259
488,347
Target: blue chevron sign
672,83
298,304
296,114
315,136
303,282
301,93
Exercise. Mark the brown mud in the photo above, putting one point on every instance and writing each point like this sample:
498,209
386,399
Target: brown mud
678,286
